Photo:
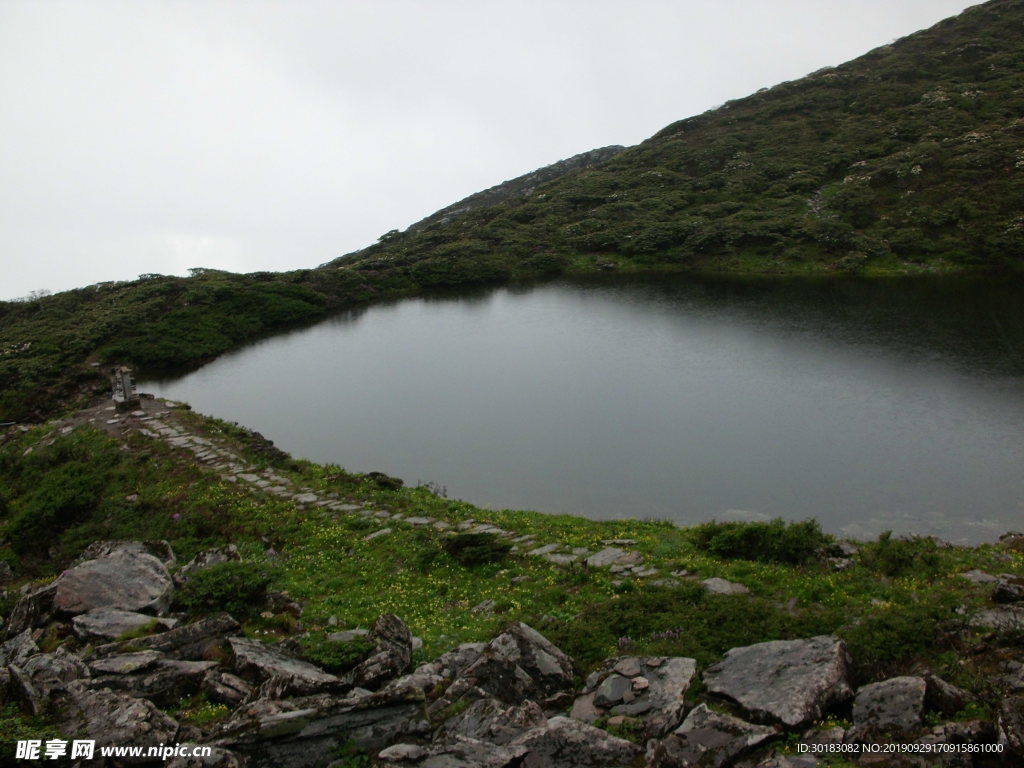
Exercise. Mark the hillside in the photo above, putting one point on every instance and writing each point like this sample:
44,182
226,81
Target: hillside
910,157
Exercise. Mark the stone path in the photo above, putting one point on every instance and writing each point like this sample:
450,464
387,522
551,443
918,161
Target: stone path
155,419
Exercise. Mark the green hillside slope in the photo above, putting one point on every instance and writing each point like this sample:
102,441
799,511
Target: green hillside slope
909,157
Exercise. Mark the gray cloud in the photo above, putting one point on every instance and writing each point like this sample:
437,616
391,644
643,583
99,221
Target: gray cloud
152,137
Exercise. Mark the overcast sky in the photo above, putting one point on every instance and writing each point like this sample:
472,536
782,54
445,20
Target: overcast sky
156,136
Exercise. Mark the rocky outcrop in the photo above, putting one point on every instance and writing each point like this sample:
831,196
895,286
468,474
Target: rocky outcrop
707,739
392,656
501,703
649,689
258,663
103,625
891,708
789,681
518,665
123,579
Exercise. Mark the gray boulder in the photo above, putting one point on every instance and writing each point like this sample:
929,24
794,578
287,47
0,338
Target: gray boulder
1011,725
568,743
890,709
32,610
1008,589
164,682
197,640
225,688
307,732
792,681
650,688
445,668
462,753
106,624
707,739
218,758
719,586
124,579
116,719
18,649
46,677
157,548
487,719
258,662
518,665
392,656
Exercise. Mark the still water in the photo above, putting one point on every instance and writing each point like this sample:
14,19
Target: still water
869,405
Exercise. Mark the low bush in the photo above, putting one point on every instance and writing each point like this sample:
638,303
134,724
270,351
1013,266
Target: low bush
773,542
240,588
918,555
332,655
477,548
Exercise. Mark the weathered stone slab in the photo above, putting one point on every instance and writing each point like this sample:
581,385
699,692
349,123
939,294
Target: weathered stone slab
518,665
188,641
569,743
124,579
255,661
650,688
891,709
605,557
107,624
793,681
707,739
392,657
116,719
306,733
718,586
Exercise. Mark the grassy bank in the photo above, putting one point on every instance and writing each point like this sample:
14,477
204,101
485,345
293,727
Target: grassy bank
898,603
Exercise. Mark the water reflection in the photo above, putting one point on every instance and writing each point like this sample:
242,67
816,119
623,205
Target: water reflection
871,405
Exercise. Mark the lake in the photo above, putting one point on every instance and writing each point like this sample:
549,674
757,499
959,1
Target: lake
870,405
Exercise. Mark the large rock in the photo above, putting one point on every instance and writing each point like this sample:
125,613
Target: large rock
18,649
258,662
32,610
489,720
45,677
792,681
197,640
106,624
518,665
650,688
568,743
124,579
1011,725
461,753
158,548
304,733
707,739
164,682
1008,589
439,672
391,657
889,709
116,719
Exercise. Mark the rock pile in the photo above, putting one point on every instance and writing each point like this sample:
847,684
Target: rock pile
509,703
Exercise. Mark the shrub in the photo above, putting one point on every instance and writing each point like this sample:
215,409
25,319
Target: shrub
333,655
772,542
902,557
240,588
477,548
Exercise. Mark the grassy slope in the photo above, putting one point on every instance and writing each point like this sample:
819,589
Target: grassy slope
908,158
